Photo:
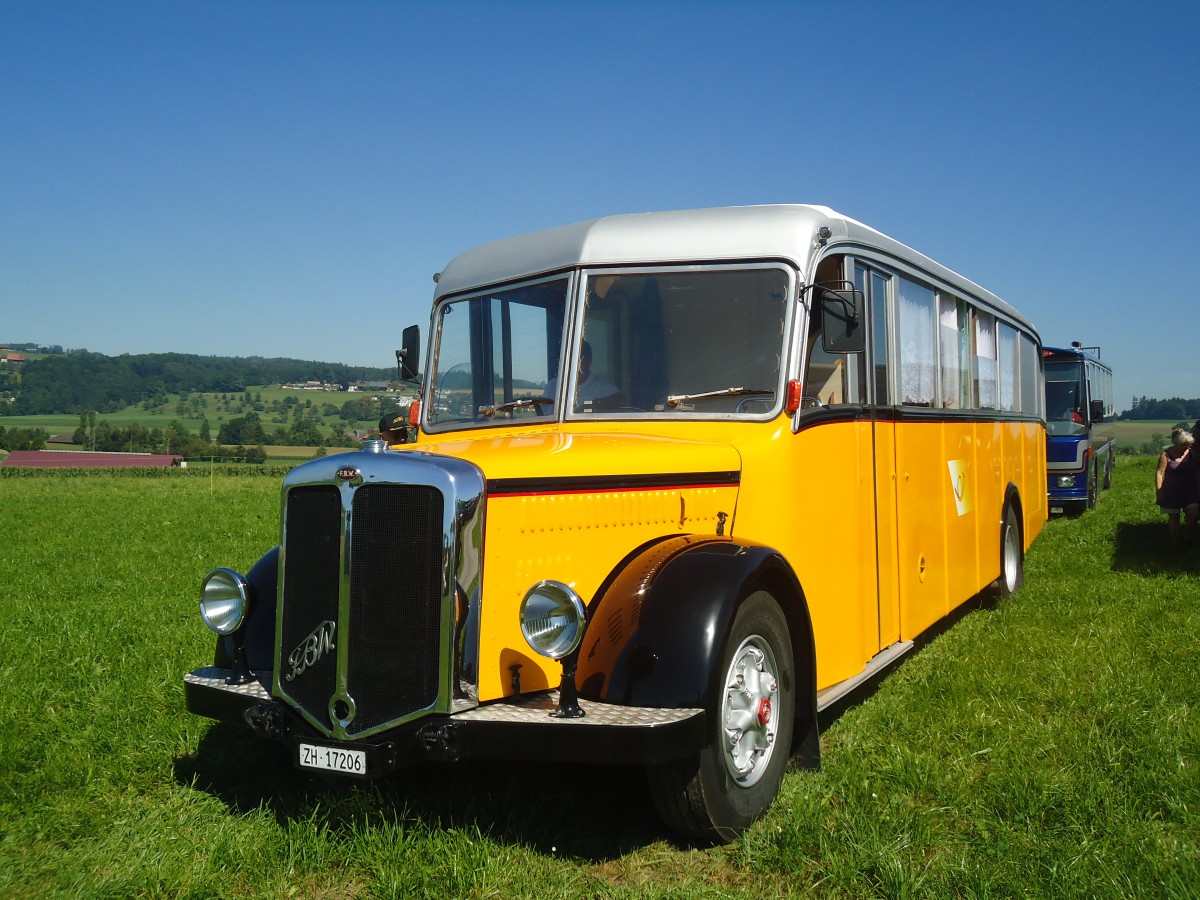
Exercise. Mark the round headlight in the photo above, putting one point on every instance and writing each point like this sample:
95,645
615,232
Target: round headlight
223,600
552,617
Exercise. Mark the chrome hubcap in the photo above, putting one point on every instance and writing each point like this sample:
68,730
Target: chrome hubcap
749,710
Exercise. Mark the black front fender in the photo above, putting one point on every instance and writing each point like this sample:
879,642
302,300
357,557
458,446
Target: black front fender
656,630
258,630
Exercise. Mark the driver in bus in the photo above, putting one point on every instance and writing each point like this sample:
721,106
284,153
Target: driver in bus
590,388
393,428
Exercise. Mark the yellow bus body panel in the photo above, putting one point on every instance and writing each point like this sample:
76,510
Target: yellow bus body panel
952,481
537,532
888,525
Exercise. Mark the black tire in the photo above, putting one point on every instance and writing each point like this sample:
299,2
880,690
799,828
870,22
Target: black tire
1093,486
1108,469
1012,554
717,794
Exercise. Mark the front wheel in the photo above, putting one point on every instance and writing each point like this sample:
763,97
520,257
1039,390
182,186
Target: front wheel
716,794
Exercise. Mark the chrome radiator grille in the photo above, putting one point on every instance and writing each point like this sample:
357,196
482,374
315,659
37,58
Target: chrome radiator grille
395,595
360,634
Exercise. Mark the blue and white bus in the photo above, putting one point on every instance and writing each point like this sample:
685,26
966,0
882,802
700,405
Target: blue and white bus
1079,435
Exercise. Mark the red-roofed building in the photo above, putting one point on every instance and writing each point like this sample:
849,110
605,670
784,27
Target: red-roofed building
68,459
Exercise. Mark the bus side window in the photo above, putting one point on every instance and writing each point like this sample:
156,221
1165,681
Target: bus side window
825,380
830,379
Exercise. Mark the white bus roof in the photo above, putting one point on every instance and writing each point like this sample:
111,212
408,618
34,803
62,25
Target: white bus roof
780,231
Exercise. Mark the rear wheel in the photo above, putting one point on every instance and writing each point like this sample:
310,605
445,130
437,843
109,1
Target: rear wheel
718,793
1012,553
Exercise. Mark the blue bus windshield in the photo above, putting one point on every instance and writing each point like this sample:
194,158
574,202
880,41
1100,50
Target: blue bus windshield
1065,397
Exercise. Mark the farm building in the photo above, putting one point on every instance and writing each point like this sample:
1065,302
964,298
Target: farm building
81,459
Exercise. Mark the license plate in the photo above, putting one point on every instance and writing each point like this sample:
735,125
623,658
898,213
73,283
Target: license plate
1056,509
333,759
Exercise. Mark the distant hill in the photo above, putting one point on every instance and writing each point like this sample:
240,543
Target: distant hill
74,382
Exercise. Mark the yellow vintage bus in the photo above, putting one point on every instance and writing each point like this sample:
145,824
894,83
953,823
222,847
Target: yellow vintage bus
681,481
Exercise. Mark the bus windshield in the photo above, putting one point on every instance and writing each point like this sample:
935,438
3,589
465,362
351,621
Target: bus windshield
700,342
495,354
1065,397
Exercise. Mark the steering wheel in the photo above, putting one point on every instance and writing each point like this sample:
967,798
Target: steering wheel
741,404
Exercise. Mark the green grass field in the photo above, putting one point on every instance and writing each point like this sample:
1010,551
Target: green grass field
1046,746
1135,434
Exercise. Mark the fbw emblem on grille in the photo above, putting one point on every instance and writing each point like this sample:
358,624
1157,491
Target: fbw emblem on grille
311,649
349,473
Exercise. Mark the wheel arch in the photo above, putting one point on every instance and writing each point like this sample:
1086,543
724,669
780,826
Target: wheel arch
1012,497
657,626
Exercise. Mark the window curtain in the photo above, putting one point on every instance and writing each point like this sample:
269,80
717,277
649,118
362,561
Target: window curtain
918,358
985,360
1008,368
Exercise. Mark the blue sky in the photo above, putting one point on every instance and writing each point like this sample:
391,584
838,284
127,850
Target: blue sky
284,178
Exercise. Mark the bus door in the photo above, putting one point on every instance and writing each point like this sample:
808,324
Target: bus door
874,286
837,545
930,458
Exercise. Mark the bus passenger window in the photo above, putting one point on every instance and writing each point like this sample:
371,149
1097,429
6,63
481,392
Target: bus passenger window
918,343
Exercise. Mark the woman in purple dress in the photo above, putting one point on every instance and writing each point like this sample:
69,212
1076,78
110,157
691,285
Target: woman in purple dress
1177,489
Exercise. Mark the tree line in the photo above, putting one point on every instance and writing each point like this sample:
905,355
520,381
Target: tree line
173,440
1175,408
92,381
241,440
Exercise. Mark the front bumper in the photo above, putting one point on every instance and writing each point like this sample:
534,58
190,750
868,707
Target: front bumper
520,729
1068,499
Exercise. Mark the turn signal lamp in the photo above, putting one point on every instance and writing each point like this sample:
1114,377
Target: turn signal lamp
795,392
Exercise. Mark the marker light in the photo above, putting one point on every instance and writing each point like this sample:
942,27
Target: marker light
795,394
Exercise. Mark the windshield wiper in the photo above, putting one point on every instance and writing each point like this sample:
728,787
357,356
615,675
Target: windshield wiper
523,403
673,400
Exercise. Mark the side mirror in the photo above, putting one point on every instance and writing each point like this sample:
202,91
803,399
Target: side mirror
408,357
1096,411
841,318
